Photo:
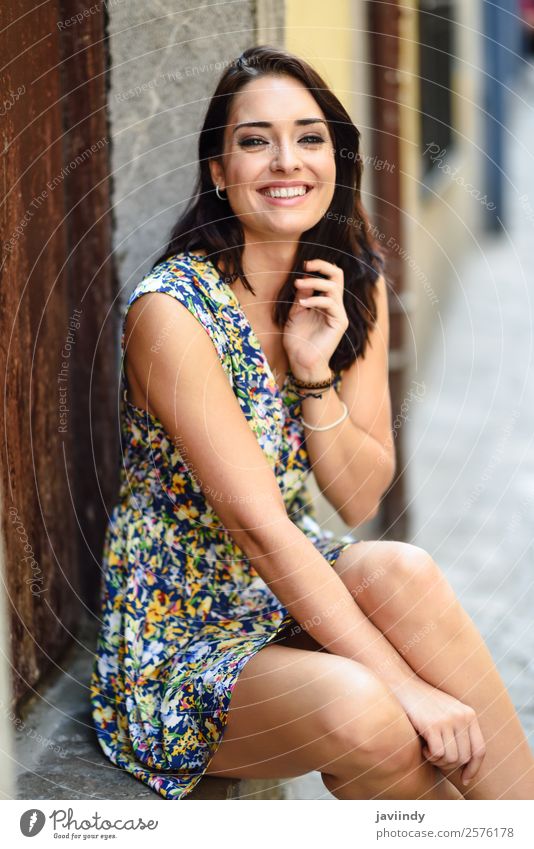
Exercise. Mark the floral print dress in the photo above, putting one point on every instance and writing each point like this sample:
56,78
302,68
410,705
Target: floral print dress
182,609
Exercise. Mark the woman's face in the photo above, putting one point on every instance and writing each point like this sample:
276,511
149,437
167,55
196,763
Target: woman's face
276,153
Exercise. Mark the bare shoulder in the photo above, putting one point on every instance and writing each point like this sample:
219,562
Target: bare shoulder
150,319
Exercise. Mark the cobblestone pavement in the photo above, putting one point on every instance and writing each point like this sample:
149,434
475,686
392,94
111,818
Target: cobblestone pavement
469,439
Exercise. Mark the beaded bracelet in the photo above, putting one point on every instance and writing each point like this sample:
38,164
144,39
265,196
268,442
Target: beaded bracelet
309,394
321,384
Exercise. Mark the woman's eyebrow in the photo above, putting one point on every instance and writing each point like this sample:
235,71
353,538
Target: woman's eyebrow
300,122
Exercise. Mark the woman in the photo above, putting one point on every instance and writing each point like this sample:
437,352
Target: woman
238,638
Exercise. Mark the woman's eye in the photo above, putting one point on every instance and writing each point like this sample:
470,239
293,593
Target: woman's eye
255,141
313,139
251,142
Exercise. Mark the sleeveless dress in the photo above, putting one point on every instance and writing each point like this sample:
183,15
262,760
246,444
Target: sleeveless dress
182,609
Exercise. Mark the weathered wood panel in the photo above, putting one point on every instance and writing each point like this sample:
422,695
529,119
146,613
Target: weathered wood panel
91,282
46,465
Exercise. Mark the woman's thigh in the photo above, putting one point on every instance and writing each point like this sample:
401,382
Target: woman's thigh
293,711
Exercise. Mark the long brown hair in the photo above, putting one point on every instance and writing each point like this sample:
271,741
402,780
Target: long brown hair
208,223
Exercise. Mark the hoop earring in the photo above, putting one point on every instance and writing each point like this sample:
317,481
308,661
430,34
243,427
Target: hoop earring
217,192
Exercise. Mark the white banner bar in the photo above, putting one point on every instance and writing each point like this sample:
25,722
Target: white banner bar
311,824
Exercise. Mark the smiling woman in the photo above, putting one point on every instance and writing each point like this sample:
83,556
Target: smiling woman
238,637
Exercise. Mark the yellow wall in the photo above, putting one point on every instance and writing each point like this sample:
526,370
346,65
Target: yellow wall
321,33
333,38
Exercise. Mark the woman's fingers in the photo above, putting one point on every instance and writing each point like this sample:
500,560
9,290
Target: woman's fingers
448,749
478,751
435,748
306,288
451,747
321,283
463,744
317,301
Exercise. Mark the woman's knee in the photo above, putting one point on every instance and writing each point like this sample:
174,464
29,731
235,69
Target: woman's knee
388,569
413,570
365,725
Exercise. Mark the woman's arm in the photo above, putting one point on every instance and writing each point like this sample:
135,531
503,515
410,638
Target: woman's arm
354,463
188,391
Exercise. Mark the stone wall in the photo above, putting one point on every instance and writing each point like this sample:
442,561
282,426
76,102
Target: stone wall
165,65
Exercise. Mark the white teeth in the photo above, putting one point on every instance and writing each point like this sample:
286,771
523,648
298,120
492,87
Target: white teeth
292,192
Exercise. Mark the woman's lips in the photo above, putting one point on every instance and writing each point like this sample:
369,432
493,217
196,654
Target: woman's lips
294,201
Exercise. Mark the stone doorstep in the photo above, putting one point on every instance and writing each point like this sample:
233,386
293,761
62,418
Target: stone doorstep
58,756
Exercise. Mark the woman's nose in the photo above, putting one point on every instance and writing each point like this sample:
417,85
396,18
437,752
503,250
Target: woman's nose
286,155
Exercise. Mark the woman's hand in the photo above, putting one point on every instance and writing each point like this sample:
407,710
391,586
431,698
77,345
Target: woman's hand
315,328
449,728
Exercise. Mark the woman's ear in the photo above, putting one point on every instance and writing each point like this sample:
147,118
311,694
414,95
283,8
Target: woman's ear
217,173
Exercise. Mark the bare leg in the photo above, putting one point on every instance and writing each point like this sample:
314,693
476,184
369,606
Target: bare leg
414,606
294,711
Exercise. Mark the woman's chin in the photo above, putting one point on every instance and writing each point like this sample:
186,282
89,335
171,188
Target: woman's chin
288,229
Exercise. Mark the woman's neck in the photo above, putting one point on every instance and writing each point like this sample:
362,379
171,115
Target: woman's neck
266,267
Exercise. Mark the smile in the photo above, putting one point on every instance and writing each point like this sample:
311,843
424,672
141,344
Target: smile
284,194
